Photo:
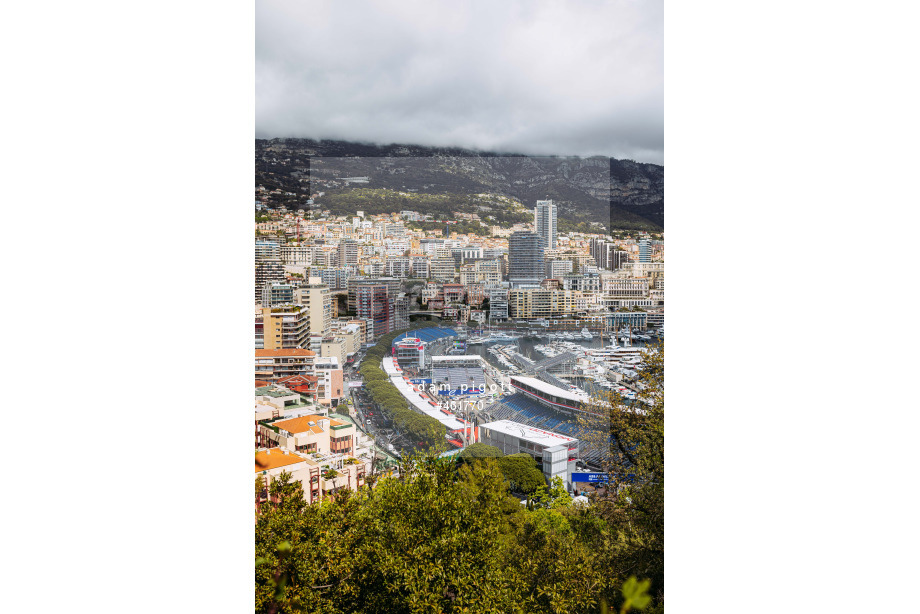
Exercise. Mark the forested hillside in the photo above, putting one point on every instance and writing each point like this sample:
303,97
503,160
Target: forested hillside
619,194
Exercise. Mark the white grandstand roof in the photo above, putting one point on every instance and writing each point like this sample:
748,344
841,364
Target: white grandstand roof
460,358
549,388
388,366
422,405
528,433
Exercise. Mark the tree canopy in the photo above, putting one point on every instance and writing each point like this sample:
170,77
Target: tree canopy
480,450
442,537
633,433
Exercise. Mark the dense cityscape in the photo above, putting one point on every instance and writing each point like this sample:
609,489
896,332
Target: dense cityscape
382,339
480,320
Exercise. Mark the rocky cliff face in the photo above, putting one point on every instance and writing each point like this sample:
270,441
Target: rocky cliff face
627,193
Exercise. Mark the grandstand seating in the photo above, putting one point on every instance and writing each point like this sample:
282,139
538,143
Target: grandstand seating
472,377
520,408
456,377
427,334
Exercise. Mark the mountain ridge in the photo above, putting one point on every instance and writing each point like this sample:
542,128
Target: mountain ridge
620,194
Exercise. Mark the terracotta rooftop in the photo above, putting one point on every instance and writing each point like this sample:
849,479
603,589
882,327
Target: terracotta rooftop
288,352
274,458
301,424
261,383
297,379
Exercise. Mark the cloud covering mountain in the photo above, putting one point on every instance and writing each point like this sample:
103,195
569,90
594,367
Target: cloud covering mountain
536,77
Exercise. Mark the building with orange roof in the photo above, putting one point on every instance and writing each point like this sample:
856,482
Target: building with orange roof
301,384
275,402
309,433
273,461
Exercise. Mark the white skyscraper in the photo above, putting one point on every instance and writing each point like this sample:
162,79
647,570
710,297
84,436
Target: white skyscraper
545,222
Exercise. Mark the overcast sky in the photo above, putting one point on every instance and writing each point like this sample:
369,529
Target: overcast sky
537,77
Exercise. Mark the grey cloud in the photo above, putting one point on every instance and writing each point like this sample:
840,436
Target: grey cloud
570,78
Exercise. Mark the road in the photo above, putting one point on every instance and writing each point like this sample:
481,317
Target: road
376,425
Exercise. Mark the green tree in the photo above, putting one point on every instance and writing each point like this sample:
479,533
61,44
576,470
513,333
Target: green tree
480,450
440,538
555,497
632,435
522,472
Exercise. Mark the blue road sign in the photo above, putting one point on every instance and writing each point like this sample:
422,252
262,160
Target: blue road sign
589,477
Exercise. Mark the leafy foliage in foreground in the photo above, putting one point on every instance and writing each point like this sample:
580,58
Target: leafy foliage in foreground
634,500
443,537
480,450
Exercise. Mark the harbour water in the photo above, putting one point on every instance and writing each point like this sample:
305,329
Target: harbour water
527,347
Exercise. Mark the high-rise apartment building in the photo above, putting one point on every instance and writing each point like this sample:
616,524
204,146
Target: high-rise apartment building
525,260
430,245
272,365
498,304
486,272
374,269
494,253
545,222
267,249
277,293
400,312
468,253
421,267
324,257
268,270
316,299
555,269
334,278
617,259
392,284
627,287
586,281
398,266
297,254
285,327
372,304
348,252
443,269
541,303
645,250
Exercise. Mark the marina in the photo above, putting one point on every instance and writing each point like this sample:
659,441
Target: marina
596,363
